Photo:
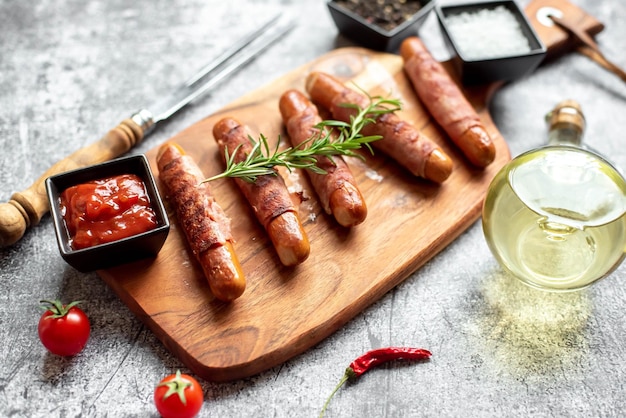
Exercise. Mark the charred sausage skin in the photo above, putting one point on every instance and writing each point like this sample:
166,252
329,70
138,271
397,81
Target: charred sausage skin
268,196
337,190
204,223
447,103
400,140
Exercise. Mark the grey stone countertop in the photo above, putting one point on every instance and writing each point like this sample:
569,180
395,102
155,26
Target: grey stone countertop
70,71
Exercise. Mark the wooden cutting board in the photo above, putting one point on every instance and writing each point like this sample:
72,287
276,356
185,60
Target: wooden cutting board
285,311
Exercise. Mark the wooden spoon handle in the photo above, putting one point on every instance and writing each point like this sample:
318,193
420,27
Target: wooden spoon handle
588,46
599,58
26,208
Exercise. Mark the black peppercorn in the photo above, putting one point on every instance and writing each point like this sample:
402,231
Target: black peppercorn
386,14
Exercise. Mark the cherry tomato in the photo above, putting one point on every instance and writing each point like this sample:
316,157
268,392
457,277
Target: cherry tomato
178,396
63,329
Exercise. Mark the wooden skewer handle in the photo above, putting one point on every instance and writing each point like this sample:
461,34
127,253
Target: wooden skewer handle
26,208
597,56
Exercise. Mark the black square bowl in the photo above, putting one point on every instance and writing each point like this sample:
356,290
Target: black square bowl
492,67
102,256
367,34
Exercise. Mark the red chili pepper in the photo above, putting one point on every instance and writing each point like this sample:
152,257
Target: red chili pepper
372,359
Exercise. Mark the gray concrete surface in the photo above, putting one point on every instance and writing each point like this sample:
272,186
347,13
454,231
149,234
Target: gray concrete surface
70,70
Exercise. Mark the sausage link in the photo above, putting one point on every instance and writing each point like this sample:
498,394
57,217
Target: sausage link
400,140
268,196
289,239
337,189
447,103
204,223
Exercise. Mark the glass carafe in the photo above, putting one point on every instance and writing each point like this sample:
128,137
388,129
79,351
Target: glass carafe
554,216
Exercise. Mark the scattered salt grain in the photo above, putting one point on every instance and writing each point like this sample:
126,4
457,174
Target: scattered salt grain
487,33
373,175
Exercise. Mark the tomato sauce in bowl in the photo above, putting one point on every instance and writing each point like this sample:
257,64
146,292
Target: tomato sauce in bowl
107,214
106,210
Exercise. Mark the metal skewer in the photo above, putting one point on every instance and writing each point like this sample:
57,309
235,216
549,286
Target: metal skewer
26,208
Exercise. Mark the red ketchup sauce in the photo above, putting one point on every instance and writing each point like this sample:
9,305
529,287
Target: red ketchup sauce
106,210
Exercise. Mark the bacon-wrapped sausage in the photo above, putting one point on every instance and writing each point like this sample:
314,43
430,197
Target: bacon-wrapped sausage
400,140
337,189
206,226
268,197
447,103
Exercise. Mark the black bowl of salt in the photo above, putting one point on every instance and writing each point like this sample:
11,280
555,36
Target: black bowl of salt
490,41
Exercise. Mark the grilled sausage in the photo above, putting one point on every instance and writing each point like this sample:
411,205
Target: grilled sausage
268,196
447,103
206,226
337,189
400,140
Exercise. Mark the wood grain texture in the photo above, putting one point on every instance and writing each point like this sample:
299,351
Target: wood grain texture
285,311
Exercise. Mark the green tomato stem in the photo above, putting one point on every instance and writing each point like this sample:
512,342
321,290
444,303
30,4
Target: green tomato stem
56,307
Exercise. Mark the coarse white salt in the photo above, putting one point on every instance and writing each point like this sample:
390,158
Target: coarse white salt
487,33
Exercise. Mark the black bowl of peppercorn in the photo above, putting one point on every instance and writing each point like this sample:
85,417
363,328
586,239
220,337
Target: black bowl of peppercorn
381,25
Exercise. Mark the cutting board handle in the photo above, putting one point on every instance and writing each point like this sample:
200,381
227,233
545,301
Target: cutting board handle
557,40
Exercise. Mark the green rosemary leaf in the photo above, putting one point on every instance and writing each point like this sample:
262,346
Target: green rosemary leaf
333,138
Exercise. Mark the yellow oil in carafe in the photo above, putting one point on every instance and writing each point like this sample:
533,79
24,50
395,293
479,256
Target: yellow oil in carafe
554,216
554,228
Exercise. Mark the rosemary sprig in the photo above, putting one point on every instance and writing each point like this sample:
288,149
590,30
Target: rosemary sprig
347,139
